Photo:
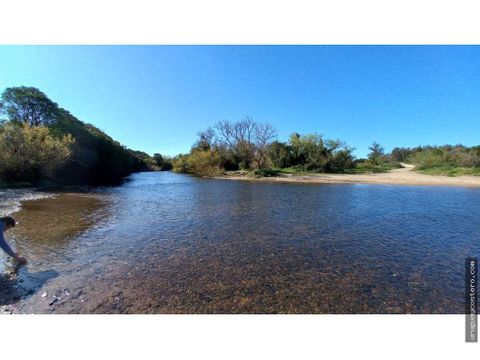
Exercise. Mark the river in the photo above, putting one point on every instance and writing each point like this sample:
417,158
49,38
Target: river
169,243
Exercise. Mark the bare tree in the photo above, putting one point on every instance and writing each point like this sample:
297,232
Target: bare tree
247,139
263,135
232,133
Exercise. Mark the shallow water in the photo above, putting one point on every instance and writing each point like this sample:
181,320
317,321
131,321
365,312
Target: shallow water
169,243
10,199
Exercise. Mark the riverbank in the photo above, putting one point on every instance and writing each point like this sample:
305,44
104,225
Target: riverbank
402,176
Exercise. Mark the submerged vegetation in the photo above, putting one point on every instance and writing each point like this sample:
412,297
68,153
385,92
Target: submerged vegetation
41,143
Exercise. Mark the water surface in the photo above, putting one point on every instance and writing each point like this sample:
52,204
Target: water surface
169,243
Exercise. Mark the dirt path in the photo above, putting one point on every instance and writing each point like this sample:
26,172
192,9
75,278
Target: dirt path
402,176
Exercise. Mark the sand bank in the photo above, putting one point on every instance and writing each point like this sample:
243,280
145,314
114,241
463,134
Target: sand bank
402,176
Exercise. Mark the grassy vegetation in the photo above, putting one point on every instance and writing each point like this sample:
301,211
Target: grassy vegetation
447,160
451,171
294,171
360,168
365,167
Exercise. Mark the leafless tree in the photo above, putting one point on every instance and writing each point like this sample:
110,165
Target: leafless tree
233,133
247,139
263,135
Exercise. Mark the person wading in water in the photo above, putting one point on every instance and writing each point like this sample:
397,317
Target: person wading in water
7,222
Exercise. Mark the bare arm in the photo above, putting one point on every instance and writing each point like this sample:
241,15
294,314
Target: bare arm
4,245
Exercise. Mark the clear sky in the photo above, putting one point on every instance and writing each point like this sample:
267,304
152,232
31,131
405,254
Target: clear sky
156,98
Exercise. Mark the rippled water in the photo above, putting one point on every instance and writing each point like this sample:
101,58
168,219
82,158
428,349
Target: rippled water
10,199
169,243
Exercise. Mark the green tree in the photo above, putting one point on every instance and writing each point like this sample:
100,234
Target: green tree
162,162
280,154
27,105
376,155
309,151
399,154
205,140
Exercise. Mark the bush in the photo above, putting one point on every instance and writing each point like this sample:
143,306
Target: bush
446,156
31,154
312,152
280,154
199,162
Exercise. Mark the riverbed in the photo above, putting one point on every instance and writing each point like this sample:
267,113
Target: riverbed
170,243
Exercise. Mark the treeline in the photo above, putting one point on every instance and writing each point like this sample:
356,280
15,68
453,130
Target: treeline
42,143
252,146
249,145
446,156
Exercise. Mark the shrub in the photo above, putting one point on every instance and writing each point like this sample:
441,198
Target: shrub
31,154
198,162
446,156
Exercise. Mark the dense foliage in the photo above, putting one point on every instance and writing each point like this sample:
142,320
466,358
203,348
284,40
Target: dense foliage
446,156
28,105
28,153
248,145
163,163
41,142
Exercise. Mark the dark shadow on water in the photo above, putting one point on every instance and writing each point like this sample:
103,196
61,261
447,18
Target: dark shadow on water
22,284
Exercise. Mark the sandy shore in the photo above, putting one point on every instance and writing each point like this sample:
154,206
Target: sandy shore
403,176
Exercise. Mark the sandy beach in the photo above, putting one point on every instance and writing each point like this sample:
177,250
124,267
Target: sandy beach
402,176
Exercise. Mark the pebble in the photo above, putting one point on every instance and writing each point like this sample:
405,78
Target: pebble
55,299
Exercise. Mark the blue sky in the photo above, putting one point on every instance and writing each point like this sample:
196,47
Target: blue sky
156,98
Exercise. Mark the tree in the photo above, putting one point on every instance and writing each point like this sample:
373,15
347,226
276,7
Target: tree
30,154
158,159
163,162
400,154
280,154
309,151
313,152
28,105
247,140
376,153
263,135
205,140
237,138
